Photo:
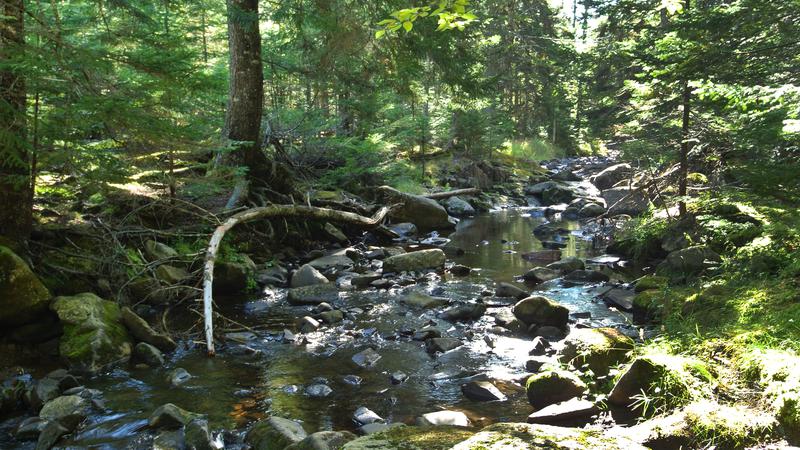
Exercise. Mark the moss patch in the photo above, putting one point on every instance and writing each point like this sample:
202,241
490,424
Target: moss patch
412,438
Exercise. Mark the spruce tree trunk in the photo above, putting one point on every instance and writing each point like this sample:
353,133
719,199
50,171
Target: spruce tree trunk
246,94
685,144
15,185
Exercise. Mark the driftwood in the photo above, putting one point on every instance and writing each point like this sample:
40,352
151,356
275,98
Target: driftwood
448,194
268,212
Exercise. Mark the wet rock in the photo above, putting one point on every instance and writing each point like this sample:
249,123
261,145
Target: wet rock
565,175
571,213
331,317
178,376
509,290
689,262
597,348
567,265
623,200
620,298
366,358
503,436
642,373
383,283
141,331
557,193
275,433
459,208
50,434
442,345
651,282
364,280
543,256
534,365
93,334
233,276
553,386
337,262
442,418
423,334
170,274
308,324
45,390
171,416
398,377
426,213
372,428
156,251
421,300
586,276
482,391
198,435
547,332
610,176
324,440
307,275
366,416
30,428
23,297
334,233
323,307
539,275
541,311
404,229
465,312
415,261
592,210
67,410
148,354
571,410
318,391
276,275
352,380
313,295
170,440
460,270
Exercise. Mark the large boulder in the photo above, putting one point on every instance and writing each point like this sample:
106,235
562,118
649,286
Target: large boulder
94,336
22,296
324,440
641,376
540,275
424,212
553,386
567,265
313,295
142,331
558,193
622,200
156,251
459,208
307,275
523,436
689,262
275,433
231,277
597,348
412,261
611,176
541,311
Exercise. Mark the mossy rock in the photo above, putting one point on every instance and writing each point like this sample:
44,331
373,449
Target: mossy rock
651,282
94,336
599,349
23,297
553,386
504,436
412,438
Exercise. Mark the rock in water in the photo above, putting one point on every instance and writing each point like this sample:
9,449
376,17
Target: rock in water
598,348
567,265
171,416
566,411
505,436
275,433
314,295
148,354
142,331
198,435
553,386
422,300
307,275
541,311
425,213
366,416
93,333
442,345
318,391
366,358
540,275
623,200
509,290
50,434
22,296
414,261
324,440
441,418
482,391
459,208
68,410
465,312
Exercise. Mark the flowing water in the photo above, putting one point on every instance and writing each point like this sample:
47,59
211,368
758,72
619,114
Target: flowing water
256,375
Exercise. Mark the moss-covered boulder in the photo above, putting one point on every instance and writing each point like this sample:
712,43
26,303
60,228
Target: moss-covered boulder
651,282
275,433
553,386
94,336
597,349
687,263
542,311
522,436
22,295
412,438
413,261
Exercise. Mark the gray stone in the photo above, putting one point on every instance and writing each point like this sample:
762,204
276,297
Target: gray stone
155,251
324,440
592,210
622,200
318,390
539,275
611,176
372,428
275,433
68,410
421,300
442,345
398,377
45,390
567,265
338,262
141,331
334,233
234,276
308,324
442,418
509,290
688,262
314,295
198,435
148,354
171,416
404,229
541,311
170,440
170,274
465,312
178,376
364,280
425,213
50,434
553,386
415,261
307,275
459,207
423,334
30,428
482,391
332,317
366,358
23,297
620,298
364,416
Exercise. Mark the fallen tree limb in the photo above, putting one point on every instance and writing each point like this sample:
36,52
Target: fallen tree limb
268,212
448,194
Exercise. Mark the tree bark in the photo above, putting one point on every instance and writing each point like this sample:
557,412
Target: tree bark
16,213
685,144
246,90
305,212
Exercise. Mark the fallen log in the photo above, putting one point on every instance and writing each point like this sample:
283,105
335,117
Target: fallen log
448,194
267,212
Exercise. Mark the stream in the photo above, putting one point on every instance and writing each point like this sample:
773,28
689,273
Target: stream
257,375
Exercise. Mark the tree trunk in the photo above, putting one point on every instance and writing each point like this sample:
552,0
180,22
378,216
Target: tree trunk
685,144
15,187
246,94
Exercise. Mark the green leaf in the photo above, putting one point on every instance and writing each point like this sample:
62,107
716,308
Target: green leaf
408,26
379,34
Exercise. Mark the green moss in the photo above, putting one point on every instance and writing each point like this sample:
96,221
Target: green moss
523,436
412,438
22,294
651,282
